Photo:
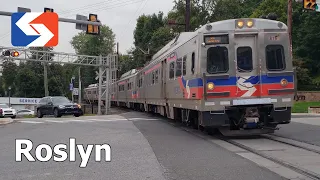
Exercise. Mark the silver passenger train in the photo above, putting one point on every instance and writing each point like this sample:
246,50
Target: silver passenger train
233,75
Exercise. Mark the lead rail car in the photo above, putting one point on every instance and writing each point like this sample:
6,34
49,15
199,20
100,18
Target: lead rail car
234,75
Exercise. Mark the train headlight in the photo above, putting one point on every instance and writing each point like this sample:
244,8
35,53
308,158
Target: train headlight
249,23
210,86
284,82
240,24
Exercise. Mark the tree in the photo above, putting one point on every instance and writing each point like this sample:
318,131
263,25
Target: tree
9,72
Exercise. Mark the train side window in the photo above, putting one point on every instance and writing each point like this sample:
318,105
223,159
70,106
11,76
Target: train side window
171,72
275,58
244,59
184,65
178,68
217,60
156,77
192,62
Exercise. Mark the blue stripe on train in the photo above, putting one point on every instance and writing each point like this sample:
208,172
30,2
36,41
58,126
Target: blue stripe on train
233,81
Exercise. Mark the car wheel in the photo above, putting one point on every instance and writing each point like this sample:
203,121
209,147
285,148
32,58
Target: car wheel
13,117
76,115
39,114
56,113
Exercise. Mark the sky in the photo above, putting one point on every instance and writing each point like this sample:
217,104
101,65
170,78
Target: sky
119,15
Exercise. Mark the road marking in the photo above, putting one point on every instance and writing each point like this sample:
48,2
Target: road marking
31,122
78,121
107,119
55,121
144,119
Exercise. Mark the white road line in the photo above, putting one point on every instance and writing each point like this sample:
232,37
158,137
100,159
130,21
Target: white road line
107,119
145,119
78,121
55,121
31,122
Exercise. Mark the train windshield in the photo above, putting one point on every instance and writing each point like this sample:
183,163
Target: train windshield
244,59
217,60
275,57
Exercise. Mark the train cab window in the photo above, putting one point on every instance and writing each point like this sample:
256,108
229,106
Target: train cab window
178,68
171,72
275,58
156,76
192,62
184,65
217,60
244,59
153,78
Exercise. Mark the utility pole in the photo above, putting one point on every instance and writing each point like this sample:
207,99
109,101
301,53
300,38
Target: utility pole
79,91
289,24
188,9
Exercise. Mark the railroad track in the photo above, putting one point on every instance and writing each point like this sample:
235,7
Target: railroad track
291,165
281,145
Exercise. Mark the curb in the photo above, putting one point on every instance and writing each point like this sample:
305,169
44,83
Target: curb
6,121
305,114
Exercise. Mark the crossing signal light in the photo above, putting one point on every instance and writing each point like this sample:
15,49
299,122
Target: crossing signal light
93,29
6,53
48,10
309,4
9,53
15,54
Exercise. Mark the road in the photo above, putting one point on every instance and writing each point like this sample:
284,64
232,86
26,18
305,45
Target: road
143,147
302,128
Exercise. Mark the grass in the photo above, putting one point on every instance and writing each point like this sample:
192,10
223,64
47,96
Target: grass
302,107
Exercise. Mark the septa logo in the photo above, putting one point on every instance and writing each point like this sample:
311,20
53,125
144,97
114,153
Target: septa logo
32,29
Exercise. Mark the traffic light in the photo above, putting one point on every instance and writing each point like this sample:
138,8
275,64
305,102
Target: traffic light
48,10
93,29
310,4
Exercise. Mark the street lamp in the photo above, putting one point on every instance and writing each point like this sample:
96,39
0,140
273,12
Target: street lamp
9,95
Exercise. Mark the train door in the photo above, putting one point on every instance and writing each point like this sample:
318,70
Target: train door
164,80
248,67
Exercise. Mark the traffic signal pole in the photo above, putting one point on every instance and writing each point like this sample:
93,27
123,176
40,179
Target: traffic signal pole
4,13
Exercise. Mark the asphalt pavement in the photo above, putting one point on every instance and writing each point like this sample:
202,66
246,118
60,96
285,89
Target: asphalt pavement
142,147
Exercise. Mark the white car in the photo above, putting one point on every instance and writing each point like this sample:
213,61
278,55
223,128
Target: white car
6,111
23,112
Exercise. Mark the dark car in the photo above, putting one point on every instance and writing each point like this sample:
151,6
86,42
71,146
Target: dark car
58,106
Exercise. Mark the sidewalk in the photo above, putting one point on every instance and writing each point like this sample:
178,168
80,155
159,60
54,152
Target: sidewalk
4,121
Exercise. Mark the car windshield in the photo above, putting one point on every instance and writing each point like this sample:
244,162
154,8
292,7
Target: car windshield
60,100
4,106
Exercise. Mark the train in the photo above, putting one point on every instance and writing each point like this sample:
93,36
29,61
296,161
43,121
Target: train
235,76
